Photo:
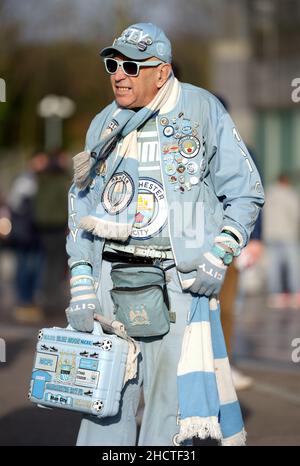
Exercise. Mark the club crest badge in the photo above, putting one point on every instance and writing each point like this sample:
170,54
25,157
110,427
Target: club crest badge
189,146
118,193
151,212
66,367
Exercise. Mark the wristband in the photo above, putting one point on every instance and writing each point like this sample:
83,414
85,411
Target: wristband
81,269
226,257
228,232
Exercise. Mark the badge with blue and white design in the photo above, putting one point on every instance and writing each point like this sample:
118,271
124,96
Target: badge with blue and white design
118,193
189,146
186,129
168,131
192,168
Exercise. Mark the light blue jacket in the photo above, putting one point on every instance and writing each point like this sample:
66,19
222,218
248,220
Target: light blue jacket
229,192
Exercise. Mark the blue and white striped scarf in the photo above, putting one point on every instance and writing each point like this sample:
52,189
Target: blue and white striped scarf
208,405
116,221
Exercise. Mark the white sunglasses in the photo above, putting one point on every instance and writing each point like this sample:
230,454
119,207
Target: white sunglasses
130,68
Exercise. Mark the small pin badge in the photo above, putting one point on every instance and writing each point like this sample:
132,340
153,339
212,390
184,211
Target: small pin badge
170,168
164,121
168,131
192,168
194,180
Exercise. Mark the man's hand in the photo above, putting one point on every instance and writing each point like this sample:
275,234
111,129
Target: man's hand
210,274
84,303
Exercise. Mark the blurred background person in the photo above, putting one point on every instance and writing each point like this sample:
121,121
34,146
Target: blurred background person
281,233
50,213
25,240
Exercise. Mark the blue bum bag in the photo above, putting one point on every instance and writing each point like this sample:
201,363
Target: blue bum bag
140,299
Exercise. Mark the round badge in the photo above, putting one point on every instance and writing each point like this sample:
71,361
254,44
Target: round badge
118,193
189,146
192,168
172,179
168,131
151,212
194,180
178,158
170,168
164,121
181,179
148,40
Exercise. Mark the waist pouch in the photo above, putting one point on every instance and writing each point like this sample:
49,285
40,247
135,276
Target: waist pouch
140,299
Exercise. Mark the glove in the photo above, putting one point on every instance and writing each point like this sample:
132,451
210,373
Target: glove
212,265
84,302
210,274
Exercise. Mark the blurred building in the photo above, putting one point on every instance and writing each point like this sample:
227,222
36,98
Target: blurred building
254,65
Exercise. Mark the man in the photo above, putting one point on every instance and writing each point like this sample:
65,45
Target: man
26,240
282,208
165,179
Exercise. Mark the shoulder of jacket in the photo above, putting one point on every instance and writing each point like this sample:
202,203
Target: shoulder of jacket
204,98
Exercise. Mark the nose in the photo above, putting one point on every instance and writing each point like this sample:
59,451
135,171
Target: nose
119,74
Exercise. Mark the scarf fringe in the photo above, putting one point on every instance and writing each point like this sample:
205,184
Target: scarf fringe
237,440
199,427
104,229
82,167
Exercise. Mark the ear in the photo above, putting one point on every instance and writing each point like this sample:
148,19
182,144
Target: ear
164,72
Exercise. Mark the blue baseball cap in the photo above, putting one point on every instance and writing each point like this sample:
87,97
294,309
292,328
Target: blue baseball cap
141,41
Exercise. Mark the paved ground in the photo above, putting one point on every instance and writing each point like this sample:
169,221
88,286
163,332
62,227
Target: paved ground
263,349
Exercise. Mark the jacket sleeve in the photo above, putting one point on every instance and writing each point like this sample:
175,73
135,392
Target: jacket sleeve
236,180
79,242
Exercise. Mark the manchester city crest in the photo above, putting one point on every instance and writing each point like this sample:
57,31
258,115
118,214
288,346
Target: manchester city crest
189,146
66,367
151,213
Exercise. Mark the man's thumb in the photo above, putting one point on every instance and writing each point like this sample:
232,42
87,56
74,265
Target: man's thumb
186,267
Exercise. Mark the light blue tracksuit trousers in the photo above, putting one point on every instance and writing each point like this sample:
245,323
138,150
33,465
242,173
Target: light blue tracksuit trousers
156,374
